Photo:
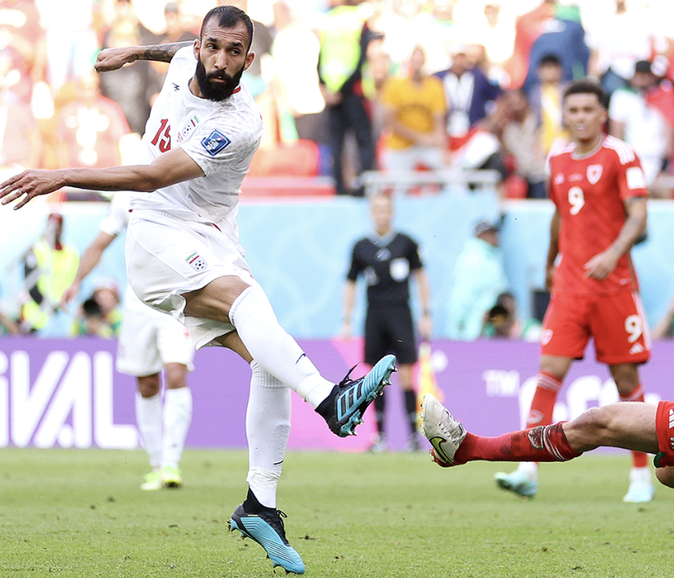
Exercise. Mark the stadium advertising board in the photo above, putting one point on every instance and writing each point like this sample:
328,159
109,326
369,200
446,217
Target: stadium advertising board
66,393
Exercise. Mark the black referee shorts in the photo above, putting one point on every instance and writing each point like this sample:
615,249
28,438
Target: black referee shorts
389,330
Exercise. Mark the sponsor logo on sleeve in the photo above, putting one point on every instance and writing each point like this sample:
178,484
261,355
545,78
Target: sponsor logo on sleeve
215,142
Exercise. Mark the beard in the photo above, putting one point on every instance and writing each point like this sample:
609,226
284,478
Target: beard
217,91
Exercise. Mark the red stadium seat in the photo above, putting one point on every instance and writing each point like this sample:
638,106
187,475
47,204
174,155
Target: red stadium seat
284,186
290,170
298,159
516,187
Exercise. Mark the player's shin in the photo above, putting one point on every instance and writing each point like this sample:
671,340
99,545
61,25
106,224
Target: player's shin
177,420
540,413
276,351
149,420
267,430
543,402
539,444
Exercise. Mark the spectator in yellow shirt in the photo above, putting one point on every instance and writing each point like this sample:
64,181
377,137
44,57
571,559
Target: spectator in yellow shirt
414,119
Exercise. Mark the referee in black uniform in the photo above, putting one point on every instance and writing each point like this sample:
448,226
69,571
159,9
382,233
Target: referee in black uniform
387,259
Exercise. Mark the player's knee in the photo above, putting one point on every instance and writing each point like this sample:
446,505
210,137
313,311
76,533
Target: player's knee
665,476
589,430
176,375
593,418
626,377
556,367
148,385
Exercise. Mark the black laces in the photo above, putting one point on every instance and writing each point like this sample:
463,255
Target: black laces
346,382
275,520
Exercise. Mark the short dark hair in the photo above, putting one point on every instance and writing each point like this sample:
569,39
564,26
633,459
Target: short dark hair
643,66
91,308
499,310
229,16
549,59
586,86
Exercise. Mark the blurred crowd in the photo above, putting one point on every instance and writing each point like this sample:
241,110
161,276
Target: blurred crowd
363,85
344,86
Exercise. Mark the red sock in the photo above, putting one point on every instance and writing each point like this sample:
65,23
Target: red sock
543,403
540,444
639,459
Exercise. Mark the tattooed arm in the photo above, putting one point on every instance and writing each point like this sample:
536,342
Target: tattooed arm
114,58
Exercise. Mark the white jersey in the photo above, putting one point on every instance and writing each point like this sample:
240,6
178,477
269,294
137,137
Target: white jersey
221,137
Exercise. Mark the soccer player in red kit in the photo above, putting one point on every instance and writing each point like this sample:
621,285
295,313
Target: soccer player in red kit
600,196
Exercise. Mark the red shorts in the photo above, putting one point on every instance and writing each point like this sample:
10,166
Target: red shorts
616,321
664,427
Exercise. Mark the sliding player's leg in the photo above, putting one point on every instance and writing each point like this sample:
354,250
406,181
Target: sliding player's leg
627,426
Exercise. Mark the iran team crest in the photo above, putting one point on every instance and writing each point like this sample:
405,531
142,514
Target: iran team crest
197,262
594,173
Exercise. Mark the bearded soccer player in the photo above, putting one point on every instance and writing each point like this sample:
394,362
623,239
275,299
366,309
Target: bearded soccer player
600,197
183,255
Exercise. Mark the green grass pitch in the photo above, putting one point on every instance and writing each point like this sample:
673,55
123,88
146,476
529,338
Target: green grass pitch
79,513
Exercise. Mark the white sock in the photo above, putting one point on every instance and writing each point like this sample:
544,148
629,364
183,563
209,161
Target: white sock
177,420
529,469
267,429
641,475
149,420
276,351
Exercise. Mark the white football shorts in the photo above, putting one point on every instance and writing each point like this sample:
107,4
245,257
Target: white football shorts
167,257
149,339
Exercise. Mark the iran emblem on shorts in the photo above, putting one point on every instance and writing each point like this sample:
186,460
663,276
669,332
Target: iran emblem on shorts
196,261
594,173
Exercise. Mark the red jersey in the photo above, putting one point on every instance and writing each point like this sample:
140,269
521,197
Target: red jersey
589,192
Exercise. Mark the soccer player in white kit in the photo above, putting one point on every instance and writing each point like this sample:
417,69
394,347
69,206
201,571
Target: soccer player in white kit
183,255
149,342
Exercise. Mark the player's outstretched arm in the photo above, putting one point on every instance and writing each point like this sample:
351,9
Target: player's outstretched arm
167,169
113,58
